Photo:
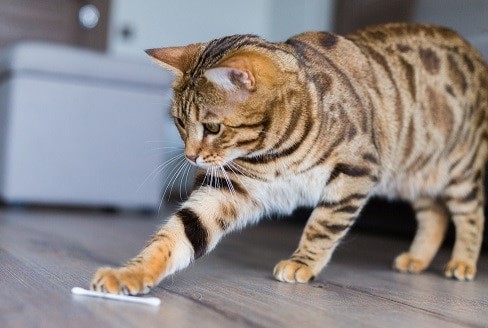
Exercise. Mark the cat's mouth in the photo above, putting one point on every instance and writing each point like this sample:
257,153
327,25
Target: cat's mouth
200,162
214,161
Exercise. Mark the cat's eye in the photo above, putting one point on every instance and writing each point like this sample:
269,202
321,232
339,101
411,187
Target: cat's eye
213,128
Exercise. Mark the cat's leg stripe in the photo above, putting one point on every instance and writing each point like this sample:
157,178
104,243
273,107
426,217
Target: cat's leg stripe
159,236
135,261
463,177
298,261
347,209
194,231
301,258
471,196
344,201
334,228
350,170
316,235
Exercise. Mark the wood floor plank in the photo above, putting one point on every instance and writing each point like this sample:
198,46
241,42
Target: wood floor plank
363,263
37,278
43,254
459,302
316,304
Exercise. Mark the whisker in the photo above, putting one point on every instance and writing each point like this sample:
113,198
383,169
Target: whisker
189,166
204,178
217,176
229,183
211,175
174,178
175,159
168,180
239,169
185,165
239,179
181,179
214,172
158,169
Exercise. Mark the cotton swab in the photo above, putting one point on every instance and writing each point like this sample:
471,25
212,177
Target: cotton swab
154,301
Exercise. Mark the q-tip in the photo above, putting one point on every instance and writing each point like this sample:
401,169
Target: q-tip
154,301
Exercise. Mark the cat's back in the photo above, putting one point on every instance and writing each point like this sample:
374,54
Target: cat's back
431,92
387,34
428,42
424,70
421,54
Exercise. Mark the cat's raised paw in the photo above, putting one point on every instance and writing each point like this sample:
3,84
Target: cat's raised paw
128,281
406,263
461,270
291,271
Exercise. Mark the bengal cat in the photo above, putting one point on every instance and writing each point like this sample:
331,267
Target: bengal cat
324,121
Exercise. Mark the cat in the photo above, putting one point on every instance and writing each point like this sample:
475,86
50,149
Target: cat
324,121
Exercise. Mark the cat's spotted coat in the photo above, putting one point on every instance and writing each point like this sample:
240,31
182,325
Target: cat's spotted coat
324,121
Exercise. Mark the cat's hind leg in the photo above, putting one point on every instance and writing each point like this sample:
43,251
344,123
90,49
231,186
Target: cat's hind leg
465,203
432,221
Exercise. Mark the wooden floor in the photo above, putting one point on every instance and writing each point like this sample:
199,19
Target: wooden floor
43,254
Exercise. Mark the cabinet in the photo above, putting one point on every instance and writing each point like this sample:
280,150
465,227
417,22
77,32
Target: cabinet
81,23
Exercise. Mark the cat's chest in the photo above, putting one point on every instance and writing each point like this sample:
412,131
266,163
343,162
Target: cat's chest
284,194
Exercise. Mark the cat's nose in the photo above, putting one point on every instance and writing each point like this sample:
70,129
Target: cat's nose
192,158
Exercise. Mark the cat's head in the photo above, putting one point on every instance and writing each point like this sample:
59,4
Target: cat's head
225,96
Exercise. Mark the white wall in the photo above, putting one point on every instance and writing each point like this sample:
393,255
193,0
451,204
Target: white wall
158,23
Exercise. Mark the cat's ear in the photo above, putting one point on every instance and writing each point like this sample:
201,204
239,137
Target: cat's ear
232,75
230,79
176,59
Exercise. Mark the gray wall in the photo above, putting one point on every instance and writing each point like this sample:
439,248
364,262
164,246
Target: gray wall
157,23
468,17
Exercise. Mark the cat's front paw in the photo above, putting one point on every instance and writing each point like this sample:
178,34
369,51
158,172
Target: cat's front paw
128,281
291,271
407,263
461,270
